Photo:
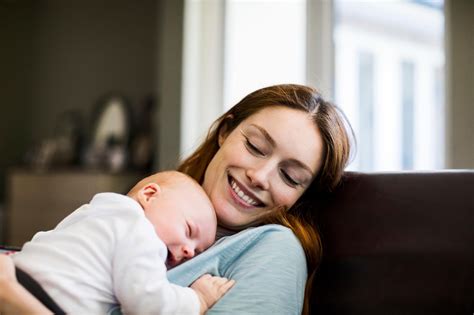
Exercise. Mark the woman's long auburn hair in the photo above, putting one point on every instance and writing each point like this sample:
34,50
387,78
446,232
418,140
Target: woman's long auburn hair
335,131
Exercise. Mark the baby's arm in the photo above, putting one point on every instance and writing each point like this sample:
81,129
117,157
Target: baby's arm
143,288
14,298
210,289
141,284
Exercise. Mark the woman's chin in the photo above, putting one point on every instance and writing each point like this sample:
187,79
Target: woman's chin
233,219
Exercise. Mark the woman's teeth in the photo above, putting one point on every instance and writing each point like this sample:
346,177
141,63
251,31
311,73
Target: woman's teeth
242,195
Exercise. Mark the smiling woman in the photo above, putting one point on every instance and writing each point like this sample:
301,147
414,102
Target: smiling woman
256,162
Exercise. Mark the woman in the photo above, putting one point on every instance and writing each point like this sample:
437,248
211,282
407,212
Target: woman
256,162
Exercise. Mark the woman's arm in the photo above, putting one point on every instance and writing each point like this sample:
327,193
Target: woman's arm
14,299
268,265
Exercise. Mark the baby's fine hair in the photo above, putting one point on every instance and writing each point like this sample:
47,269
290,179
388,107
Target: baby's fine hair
166,179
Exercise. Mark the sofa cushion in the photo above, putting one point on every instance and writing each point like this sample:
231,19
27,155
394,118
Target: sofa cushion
396,243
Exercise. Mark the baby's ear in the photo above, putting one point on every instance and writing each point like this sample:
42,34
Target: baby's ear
148,192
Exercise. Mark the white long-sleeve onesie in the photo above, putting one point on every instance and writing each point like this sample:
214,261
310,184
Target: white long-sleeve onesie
105,253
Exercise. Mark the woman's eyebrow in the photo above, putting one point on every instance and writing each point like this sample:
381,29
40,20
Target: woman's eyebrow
273,144
265,134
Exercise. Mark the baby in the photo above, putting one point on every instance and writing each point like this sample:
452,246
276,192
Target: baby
117,248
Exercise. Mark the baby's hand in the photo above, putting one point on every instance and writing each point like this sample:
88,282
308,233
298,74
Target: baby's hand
210,289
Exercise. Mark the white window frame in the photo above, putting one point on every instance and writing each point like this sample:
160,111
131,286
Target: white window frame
203,63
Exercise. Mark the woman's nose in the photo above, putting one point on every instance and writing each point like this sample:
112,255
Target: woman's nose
259,175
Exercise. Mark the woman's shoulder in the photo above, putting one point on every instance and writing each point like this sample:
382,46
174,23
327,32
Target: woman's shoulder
269,268
267,263
253,246
273,243
274,234
269,236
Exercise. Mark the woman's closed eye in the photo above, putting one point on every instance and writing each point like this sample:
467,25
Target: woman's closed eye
288,179
253,148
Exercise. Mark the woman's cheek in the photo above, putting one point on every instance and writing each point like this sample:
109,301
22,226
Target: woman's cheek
286,198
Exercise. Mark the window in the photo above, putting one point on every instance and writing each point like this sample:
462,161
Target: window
388,64
232,48
366,110
408,113
382,62
265,44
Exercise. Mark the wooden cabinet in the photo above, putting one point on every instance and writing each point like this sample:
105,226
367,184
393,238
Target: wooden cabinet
39,201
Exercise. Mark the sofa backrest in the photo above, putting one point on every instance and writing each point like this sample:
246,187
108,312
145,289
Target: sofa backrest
397,243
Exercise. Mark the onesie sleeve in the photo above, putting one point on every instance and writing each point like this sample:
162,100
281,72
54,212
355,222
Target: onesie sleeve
139,275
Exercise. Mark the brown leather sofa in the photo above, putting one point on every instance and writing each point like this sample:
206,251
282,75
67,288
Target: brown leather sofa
397,243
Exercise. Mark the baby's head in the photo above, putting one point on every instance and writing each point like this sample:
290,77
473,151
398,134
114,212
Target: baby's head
179,209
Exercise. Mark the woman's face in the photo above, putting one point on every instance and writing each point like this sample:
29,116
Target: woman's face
266,161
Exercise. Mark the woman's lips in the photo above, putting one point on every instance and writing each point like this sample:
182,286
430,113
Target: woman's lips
242,196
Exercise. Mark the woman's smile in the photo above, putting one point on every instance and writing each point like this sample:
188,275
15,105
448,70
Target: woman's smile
242,195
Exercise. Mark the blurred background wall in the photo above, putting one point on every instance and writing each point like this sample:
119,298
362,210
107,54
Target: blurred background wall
64,55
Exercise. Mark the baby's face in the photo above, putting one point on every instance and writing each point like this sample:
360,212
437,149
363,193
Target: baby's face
184,220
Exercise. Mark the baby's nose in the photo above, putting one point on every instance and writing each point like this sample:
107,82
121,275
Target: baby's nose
188,252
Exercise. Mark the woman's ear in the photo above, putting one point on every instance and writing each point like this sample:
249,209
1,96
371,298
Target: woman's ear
147,193
225,129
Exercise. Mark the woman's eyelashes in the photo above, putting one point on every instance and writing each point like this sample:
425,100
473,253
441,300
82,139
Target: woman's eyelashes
253,148
288,179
